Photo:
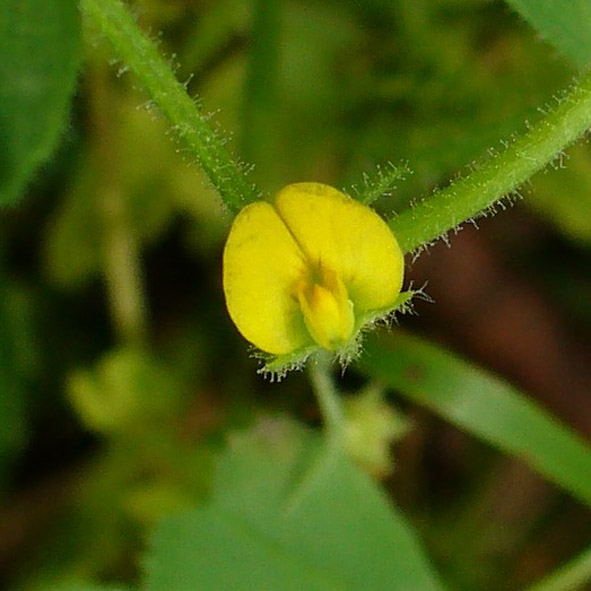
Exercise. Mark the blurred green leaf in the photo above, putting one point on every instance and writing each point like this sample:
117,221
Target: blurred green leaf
314,95
372,427
573,575
82,587
214,29
39,54
564,23
73,241
260,140
127,389
288,513
12,423
75,237
482,405
564,196
17,362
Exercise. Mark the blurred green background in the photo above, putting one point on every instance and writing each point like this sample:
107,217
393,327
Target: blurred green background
120,372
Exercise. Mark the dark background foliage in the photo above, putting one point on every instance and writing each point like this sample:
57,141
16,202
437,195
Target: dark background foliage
120,373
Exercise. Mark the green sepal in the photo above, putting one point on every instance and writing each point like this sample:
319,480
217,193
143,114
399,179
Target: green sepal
277,366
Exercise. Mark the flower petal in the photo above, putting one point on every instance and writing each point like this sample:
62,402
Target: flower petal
262,266
328,312
347,237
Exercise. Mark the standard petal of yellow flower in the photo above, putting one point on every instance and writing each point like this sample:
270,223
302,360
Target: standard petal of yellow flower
306,269
346,237
263,266
327,309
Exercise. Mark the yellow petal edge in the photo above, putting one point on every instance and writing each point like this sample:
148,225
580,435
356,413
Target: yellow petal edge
301,270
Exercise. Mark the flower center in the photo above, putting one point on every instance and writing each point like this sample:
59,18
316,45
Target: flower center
327,309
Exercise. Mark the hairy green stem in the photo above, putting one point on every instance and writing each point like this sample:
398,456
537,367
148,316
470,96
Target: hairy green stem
142,57
503,173
381,182
570,577
327,396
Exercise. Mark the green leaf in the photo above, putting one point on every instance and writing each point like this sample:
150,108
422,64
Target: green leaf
39,55
126,389
563,196
484,406
564,23
81,587
290,514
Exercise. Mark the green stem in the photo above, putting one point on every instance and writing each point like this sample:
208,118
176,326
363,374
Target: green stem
123,270
142,57
570,577
327,395
471,195
121,258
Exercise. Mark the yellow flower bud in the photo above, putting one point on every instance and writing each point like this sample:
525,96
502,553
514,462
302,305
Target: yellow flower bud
327,309
308,269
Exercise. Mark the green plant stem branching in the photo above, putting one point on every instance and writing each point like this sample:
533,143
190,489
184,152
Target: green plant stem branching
470,196
143,58
445,210
570,577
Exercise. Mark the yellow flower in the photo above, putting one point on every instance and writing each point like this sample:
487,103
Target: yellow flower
309,269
